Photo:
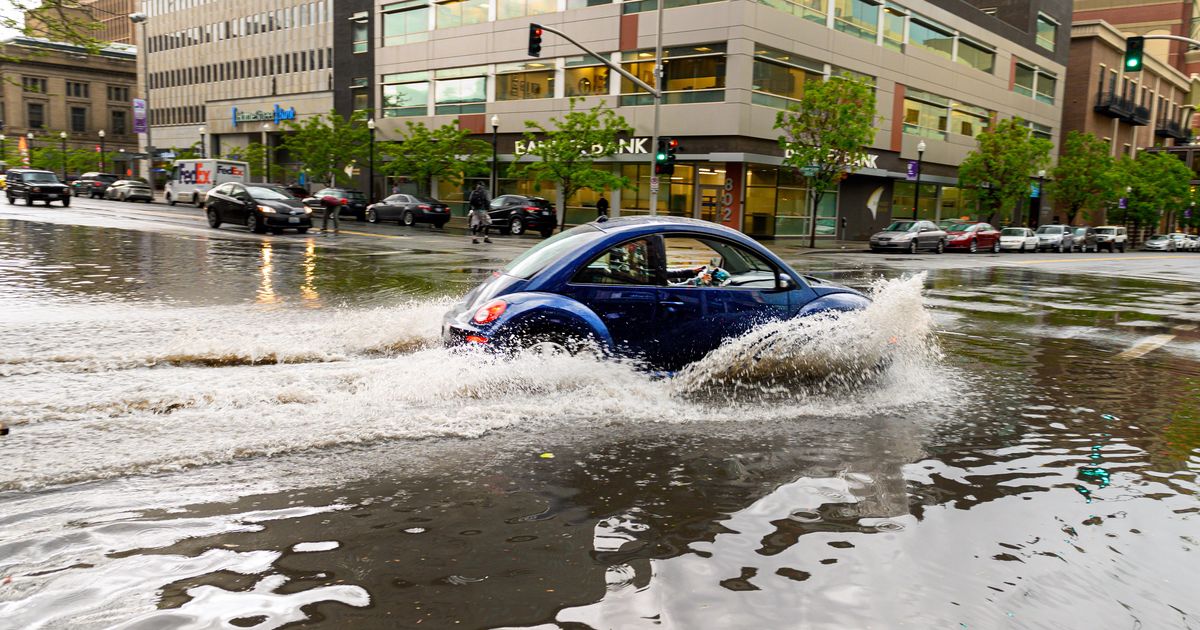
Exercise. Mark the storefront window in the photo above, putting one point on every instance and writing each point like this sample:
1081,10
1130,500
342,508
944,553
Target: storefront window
778,204
635,200
456,92
976,56
893,27
904,195
931,36
968,120
638,6
461,13
693,74
925,114
585,80
781,74
957,203
813,10
405,23
506,9
856,17
514,85
405,95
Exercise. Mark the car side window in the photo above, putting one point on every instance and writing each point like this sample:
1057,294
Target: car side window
707,262
498,202
627,264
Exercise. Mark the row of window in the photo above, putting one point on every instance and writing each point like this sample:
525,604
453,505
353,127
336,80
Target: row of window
1167,110
265,22
74,89
285,63
183,115
77,118
1035,82
932,116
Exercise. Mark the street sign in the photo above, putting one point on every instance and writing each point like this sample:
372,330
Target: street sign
1035,190
654,183
808,171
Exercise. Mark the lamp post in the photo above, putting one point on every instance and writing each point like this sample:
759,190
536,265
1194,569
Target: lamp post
267,150
203,147
140,18
1035,218
4,150
102,156
917,196
371,161
495,129
62,136
29,148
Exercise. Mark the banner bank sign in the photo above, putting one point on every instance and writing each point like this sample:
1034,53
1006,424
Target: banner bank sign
278,114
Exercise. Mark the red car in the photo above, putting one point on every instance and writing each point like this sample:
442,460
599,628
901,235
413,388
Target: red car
972,237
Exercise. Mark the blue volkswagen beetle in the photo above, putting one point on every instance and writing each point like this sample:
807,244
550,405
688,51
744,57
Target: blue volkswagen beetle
662,290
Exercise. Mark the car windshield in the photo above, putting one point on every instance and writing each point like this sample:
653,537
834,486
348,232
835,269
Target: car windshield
900,226
550,250
425,199
1106,231
1012,232
107,178
958,227
41,177
266,194
1158,237
1080,231
1049,229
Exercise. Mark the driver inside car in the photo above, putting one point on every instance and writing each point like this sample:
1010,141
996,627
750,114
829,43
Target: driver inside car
702,276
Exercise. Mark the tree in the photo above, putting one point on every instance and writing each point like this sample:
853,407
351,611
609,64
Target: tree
1160,186
1000,168
825,135
567,153
255,154
1086,177
50,158
69,21
325,145
446,152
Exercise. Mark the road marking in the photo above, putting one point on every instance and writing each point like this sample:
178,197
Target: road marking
1093,258
1146,345
1184,327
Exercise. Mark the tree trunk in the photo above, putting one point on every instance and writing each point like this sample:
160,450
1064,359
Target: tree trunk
812,221
560,208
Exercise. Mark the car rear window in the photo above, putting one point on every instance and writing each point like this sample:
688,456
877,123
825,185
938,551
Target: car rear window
107,178
550,250
1012,232
355,195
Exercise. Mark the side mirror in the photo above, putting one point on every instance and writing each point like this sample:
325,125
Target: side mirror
786,282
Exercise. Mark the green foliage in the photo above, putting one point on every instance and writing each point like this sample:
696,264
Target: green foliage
446,152
325,145
50,158
1086,177
825,135
1001,168
68,21
1160,184
567,152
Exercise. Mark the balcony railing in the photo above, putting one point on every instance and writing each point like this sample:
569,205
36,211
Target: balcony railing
1141,115
1117,106
1171,129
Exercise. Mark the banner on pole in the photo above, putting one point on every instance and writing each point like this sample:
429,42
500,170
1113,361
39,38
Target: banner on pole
139,116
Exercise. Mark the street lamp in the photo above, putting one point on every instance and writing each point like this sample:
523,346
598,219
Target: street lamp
29,148
917,196
267,150
495,129
1034,219
371,161
4,150
203,148
102,156
62,136
140,18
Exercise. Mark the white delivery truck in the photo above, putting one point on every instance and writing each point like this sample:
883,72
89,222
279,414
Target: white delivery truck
192,179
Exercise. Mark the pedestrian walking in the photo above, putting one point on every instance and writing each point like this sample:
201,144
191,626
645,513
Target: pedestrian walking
480,221
601,206
332,206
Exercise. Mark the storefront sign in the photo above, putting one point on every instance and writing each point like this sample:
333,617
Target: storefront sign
277,114
139,115
731,204
868,160
627,146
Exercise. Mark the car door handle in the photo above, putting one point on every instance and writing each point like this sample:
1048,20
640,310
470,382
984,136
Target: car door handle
671,302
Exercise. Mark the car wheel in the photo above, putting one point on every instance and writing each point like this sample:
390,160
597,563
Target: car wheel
556,345
996,247
974,247
170,200
28,200
66,202
214,219
1061,249
303,230
253,223
372,216
912,246
10,199
547,232
1122,248
516,226
408,218
439,225
941,247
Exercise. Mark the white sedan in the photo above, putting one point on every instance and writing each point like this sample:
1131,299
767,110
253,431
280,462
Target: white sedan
1018,239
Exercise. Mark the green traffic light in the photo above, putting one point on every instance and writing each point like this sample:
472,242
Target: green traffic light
660,156
1132,63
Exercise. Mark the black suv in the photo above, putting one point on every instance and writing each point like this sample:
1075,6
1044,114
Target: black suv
355,204
36,185
93,184
517,214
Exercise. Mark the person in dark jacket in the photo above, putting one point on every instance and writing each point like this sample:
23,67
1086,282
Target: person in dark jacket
601,207
479,216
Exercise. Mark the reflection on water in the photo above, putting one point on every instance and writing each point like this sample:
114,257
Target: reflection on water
208,466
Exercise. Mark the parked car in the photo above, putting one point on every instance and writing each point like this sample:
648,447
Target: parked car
1111,237
296,192
354,206
1159,243
1195,242
129,190
1182,242
256,207
1018,239
35,185
517,214
909,236
409,210
1085,239
972,237
1060,238
93,184
633,287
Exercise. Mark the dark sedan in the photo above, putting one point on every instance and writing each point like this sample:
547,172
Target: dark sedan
129,190
409,210
355,203
517,214
256,207
93,184
1085,239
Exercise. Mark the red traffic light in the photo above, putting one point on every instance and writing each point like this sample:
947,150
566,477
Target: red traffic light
674,144
537,32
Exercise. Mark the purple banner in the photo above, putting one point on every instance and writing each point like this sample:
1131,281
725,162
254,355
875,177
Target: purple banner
139,115
911,175
1121,203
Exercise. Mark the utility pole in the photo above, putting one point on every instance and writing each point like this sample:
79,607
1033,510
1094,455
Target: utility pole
658,81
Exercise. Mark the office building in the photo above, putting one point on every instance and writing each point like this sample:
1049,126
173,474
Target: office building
112,18
1139,17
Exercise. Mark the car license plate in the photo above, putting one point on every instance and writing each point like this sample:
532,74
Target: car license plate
293,219
545,212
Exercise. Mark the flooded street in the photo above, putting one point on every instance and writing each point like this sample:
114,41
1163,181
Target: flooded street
216,429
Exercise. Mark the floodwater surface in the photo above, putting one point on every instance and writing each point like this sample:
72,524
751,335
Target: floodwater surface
209,431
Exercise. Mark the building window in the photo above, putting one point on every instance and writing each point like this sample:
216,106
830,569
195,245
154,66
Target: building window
79,119
1039,84
968,120
893,27
35,115
1047,32
931,36
812,10
37,85
522,81
856,17
585,76
638,6
579,4
118,125
405,23
976,56
77,89
925,114
693,74
405,95
506,9
359,97
779,76
454,93
461,13
361,36
1039,130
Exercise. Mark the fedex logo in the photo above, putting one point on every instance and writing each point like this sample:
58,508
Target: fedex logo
234,171
195,175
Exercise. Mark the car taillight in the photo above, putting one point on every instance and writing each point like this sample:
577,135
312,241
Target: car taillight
345,202
97,184
490,312
476,339
532,208
423,207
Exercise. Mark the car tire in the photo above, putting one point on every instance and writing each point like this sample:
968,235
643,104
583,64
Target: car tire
303,230
28,200
408,219
439,225
253,224
996,247
973,247
11,199
516,226
1122,248
912,246
170,200
214,219
66,202
1061,249
372,216
556,344
547,232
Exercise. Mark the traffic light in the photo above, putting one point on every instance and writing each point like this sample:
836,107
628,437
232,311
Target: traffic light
664,157
1133,53
535,40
